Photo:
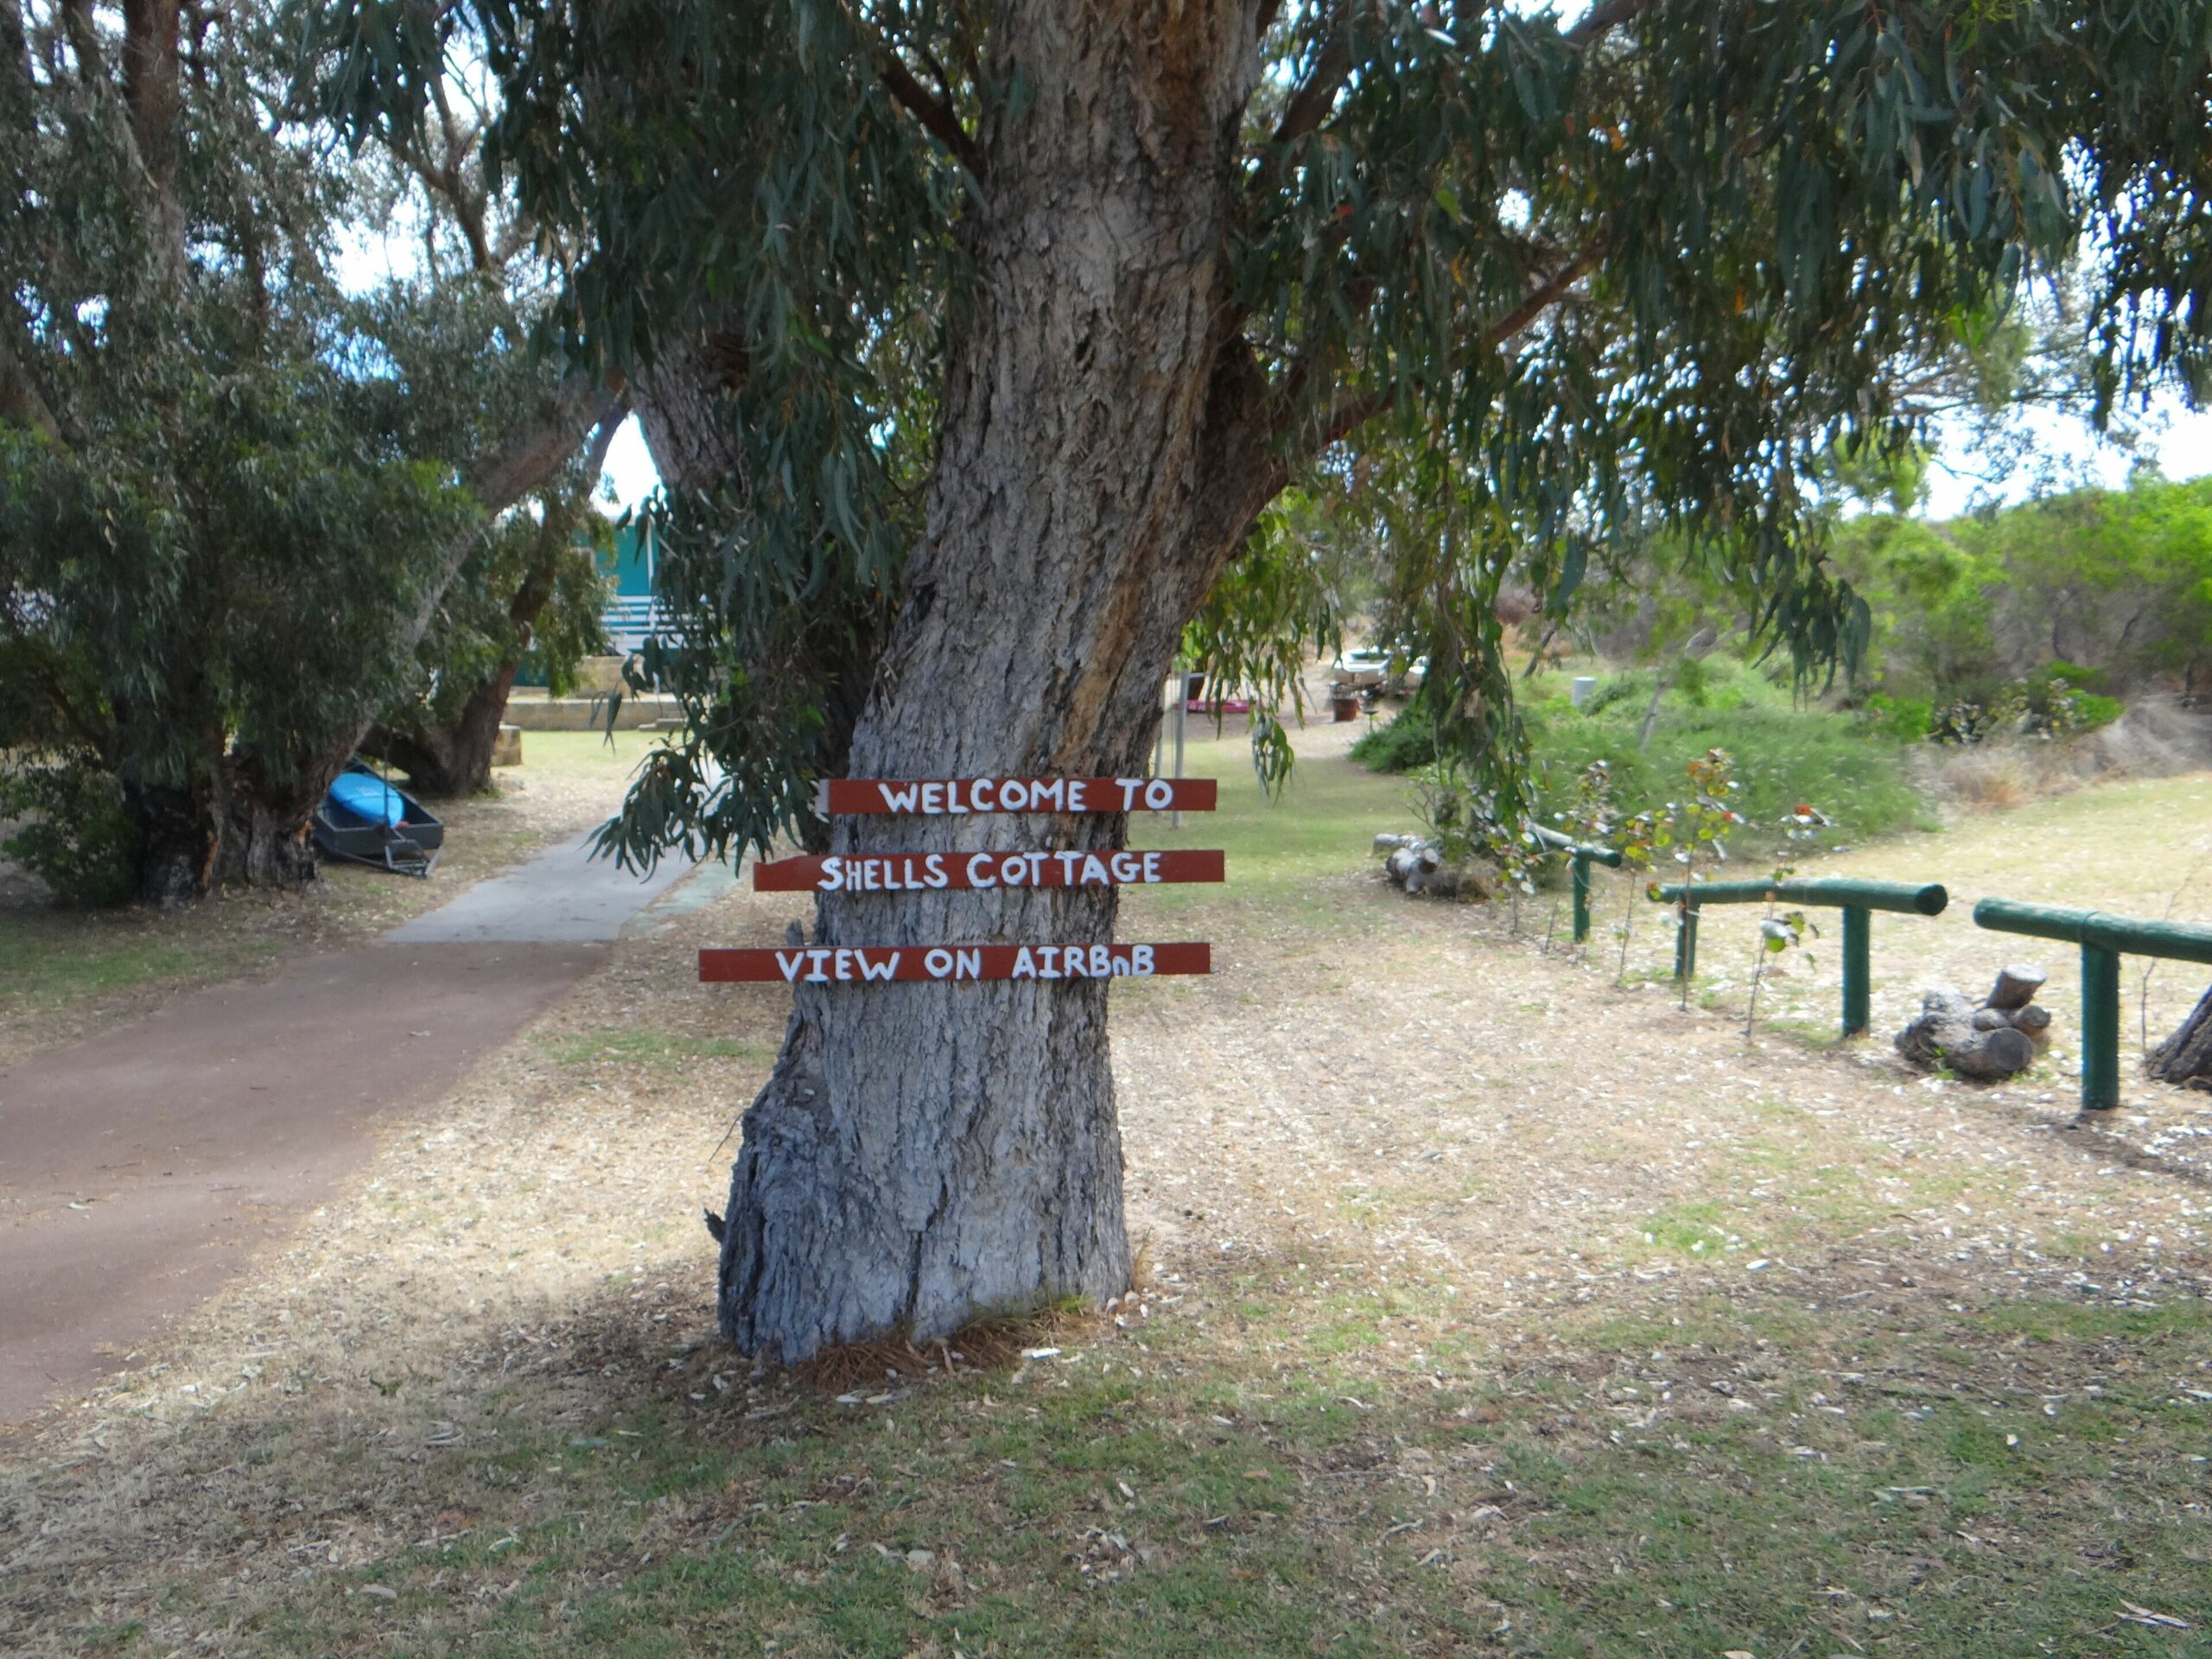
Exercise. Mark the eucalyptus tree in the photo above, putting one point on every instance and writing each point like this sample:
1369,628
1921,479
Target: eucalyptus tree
227,516
1029,312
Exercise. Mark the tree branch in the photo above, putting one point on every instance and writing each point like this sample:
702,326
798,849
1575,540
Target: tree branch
1601,20
535,451
21,399
935,113
466,205
1543,297
1310,103
84,42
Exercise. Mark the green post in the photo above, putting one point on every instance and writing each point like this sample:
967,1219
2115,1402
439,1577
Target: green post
1857,969
1581,863
2100,1028
1686,941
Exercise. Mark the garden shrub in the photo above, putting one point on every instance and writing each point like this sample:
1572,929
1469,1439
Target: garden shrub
76,835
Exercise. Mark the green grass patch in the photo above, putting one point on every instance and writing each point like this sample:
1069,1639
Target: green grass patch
1290,850
1787,749
1737,1477
48,958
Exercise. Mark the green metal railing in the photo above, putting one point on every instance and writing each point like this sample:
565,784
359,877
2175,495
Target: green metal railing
1580,855
2104,939
1857,899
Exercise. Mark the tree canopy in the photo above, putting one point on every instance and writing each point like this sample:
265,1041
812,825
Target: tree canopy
232,493
1552,279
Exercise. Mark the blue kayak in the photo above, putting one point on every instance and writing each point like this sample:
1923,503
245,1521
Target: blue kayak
368,796
365,820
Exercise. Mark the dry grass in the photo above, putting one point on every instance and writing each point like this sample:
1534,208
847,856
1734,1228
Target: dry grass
2154,739
1491,1307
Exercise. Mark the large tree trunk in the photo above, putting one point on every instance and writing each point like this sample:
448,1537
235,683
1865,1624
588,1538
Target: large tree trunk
926,1153
235,831
452,759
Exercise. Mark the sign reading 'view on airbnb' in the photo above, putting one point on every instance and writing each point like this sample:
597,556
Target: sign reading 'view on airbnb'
939,796
865,964
925,872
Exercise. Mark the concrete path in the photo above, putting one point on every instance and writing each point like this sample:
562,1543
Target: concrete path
141,1168
561,896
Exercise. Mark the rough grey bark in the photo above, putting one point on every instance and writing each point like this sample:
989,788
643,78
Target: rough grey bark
680,409
2186,1057
236,831
924,1153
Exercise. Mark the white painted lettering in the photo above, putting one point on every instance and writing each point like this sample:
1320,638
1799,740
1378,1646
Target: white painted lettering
791,962
1076,961
844,963
1078,795
882,972
1051,792
936,962
933,870
833,874
1140,961
1128,787
980,793
1158,793
897,799
1014,795
1015,870
1102,961
1151,866
1023,968
1125,867
968,965
815,976
1050,955
933,797
979,872
1094,871
1068,861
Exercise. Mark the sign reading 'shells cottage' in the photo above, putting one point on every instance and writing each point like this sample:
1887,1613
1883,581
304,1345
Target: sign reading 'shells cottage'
918,872
891,873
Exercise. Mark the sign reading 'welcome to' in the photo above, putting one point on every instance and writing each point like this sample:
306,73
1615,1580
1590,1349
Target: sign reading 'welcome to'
938,797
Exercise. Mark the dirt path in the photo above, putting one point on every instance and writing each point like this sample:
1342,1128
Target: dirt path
139,1170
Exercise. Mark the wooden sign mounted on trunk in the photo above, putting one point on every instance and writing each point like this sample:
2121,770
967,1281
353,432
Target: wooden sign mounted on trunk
851,873
881,965
927,872
939,796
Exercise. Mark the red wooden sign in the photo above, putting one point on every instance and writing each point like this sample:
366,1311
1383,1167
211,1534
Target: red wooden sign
922,872
878,964
936,796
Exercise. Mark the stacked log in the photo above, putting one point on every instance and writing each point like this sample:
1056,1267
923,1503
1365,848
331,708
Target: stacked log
1995,1040
1419,866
